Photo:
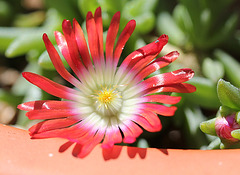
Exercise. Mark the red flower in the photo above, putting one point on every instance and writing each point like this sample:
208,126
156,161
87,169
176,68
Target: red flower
109,103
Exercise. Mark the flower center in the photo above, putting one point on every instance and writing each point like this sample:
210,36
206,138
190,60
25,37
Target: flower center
108,100
106,96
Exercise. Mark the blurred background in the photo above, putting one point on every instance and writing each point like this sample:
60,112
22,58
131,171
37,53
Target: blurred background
205,32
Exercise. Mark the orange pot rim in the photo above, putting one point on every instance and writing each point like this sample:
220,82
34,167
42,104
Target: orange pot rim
22,156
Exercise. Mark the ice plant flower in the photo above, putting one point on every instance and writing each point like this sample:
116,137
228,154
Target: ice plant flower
109,103
225,125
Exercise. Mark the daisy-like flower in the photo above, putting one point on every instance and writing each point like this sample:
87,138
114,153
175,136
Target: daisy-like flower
109,103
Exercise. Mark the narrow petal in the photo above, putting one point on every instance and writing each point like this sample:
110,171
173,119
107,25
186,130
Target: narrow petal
57,62
157,64
45,104
152,119
75,60
160,109
175,77
99,27
137,60
179,88
50,86
112,136
167,99
82,44
48,125
148,53
88,147
93,39
152,50
146,125
123,38
50,114
111,36
130,131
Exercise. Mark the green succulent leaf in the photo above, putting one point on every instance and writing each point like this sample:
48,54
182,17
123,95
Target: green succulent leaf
231,66
228,94
45,62
205,95
166,24
208,127
237,117
236,134
212,69
225,111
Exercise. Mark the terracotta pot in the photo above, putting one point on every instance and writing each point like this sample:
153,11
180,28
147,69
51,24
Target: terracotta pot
19,155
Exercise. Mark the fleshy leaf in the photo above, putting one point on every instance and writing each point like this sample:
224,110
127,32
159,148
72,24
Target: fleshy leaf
236,134
213,69
208,127
237,117
225,111
228,94
206,94
45,62
231,66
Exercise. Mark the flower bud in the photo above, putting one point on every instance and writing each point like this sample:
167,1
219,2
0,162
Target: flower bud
225,125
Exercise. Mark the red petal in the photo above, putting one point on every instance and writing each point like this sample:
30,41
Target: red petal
57,62
52,125
179,88
50,86
160,109
93,39
82,44
157,64
123,38
50,114
88,147
169,78
99,27
145,54
74,60
162,99
111,36
45,104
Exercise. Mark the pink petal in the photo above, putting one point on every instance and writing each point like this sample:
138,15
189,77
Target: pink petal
50,86
51,114
169,78
123,38
130,131
161,99
48,125
157,64
146,125
57,62
45,104
111,36
152,118
88,147
160,109
82,44
112,136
